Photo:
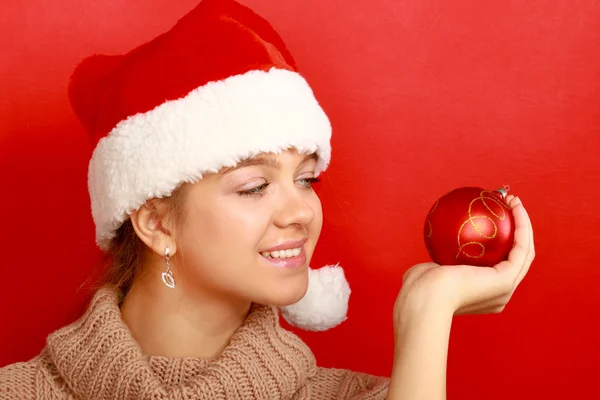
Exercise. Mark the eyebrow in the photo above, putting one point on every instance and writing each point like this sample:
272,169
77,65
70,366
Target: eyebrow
268,161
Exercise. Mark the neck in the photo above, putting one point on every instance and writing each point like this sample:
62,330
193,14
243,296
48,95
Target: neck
180,322
97,358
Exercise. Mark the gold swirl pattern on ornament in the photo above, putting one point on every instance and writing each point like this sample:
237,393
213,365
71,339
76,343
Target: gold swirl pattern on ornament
428,235
483,196
434,207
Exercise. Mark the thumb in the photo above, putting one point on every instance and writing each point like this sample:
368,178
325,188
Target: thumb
414,272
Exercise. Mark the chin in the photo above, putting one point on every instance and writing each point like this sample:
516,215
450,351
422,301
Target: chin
288,292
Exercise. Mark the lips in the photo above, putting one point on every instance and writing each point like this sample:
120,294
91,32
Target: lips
290,254
295,261
289,245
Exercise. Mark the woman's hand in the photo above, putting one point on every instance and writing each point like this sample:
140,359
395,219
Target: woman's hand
432,294
463,289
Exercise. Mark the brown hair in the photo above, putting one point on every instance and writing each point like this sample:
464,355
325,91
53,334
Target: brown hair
125,255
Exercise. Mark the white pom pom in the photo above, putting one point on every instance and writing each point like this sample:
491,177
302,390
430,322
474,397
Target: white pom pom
325,303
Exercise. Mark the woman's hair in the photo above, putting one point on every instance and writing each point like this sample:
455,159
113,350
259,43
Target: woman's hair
125,255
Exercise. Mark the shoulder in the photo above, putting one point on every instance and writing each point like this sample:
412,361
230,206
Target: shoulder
28,380
330,382
17,381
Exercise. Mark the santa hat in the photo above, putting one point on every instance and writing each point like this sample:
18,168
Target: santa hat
217,88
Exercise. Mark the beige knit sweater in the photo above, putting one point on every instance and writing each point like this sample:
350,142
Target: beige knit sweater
97,358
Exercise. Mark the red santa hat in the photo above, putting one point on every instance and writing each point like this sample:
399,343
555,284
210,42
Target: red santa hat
217,88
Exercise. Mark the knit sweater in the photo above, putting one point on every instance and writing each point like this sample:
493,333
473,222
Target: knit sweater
97,358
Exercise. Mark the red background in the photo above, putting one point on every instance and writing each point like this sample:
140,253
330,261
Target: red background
424,96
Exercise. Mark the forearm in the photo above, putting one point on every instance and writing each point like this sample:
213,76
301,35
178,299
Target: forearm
420,354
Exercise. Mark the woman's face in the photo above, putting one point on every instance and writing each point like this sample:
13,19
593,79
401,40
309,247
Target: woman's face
250,231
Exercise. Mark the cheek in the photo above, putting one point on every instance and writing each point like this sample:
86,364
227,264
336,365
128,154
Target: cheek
221,234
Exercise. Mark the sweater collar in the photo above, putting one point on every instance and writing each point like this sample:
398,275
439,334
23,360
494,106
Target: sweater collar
98,358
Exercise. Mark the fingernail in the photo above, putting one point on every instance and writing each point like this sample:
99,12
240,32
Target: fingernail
517,201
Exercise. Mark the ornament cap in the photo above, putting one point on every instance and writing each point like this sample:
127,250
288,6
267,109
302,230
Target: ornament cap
503,191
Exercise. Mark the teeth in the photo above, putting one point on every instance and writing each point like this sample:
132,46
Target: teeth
282,253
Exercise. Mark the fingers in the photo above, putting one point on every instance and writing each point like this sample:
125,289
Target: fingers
485,307
506,276
531,255
510,272
488,310
509,198
513,202
519,255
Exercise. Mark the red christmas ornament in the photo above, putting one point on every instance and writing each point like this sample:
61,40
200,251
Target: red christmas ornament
471,226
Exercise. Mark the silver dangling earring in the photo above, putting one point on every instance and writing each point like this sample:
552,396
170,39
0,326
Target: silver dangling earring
167,276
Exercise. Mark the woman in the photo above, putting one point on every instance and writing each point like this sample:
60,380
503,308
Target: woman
207,141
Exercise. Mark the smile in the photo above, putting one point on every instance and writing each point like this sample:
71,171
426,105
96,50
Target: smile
289,253
289,258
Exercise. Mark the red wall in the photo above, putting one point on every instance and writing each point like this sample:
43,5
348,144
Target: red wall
424,96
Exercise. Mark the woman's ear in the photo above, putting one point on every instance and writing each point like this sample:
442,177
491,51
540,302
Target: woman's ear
154,228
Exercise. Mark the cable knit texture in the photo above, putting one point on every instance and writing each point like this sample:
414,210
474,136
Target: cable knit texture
97,358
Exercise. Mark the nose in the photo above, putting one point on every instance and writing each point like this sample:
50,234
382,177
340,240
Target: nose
293,209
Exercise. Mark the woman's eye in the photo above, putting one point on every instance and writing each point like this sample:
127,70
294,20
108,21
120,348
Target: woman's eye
308,182
259,191
256,191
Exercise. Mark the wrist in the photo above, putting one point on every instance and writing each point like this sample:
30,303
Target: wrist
422,327
413,306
